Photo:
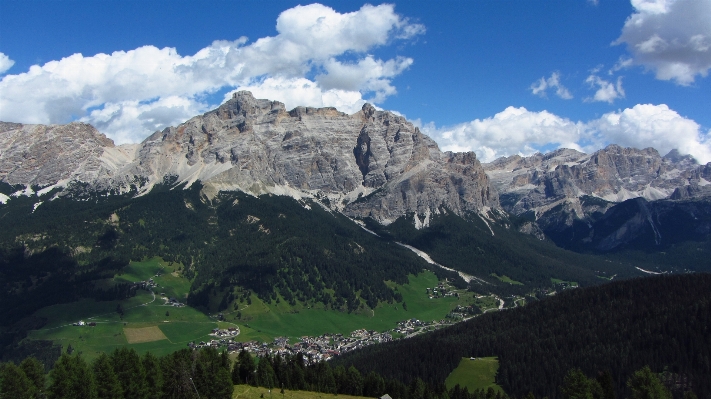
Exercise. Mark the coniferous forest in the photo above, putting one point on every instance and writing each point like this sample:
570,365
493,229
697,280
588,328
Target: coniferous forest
663,322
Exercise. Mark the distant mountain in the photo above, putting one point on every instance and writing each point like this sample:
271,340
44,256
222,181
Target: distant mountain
616,198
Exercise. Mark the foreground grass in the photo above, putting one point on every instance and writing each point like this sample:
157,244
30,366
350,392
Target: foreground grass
250,392
475,374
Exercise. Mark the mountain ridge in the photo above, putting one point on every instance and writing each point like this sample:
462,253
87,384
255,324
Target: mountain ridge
369,164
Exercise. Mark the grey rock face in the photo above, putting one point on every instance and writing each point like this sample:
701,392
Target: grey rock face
614,174
371,163
44,155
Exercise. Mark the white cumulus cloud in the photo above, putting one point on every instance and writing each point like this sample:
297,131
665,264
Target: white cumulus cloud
671,37
606,91
5,63
541,86
129,94
658,126
512,131
524,132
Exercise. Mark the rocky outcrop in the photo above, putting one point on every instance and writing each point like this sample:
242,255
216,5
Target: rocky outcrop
369,164
614,174
39,155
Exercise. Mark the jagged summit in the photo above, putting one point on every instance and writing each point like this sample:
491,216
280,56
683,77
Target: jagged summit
369,164
540,182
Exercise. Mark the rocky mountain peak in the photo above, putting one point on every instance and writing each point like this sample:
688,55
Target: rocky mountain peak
369,164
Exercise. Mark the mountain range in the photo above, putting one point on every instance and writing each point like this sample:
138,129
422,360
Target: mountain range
372,164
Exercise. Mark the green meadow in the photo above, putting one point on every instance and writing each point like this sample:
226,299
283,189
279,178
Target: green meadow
257,321
475,374
265,321
568,283
506,279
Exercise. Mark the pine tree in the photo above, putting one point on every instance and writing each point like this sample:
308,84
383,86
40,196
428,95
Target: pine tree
71,379
34,370
154,375
107,383
130,372
176,371
246,367
354,382
14,383
646,385
265,373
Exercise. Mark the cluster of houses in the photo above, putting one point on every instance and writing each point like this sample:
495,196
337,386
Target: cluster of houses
462,312
172,302
441,290
222,333
316,349
146,285
82,323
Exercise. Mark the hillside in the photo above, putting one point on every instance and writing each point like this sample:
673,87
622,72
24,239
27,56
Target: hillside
662,321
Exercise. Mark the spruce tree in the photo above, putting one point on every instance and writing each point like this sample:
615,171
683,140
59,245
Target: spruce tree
71,378
34,370
107,383
130,372
646,385
14,383
154,375
246,368
265,373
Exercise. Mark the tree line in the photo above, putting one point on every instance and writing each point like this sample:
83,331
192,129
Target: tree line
205,373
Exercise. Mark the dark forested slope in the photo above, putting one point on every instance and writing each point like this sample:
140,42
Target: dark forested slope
662,321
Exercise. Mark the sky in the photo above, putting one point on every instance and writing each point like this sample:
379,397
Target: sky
497,77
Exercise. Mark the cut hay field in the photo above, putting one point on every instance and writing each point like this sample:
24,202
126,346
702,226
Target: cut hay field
143,334
475,374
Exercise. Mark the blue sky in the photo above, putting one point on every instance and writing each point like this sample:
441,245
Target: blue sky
495,77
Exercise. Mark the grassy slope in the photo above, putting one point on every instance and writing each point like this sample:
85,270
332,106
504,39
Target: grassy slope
181,326
260,321
272,320
475,374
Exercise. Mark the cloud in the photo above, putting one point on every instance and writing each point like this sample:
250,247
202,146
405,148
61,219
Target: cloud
132,93
512,131
671,37
5,63
294,92
541,86
606,91
520,131
647,125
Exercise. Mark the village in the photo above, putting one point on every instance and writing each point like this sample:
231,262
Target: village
316,349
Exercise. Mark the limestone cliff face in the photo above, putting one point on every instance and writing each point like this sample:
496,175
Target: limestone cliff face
614,174
39,155
372,163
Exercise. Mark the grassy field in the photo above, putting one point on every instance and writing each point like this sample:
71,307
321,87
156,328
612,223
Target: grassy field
144,311
250,392
475,374
568,283
265,321
506,279
260,321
